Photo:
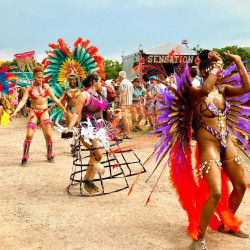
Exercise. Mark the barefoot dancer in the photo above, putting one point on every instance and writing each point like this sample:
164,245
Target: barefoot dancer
215,146
218,105
69,96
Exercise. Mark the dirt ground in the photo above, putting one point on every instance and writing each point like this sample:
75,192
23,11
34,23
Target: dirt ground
37,213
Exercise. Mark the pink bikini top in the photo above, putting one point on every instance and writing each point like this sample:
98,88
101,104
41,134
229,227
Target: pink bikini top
93,107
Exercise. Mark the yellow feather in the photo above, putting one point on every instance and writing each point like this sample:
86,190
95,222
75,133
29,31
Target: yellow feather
5,118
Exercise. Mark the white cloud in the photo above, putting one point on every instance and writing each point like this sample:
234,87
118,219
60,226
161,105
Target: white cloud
40,57
239,42
6,55
113,57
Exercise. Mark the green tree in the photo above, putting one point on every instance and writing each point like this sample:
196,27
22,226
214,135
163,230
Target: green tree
12,65
112,69
245,55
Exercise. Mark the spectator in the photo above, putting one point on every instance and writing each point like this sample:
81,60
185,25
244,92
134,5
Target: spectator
160,85
196,81
111,91
151,99
172,80
126,93
137,111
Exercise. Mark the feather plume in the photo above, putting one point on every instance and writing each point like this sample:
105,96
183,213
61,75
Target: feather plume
78,41
85,44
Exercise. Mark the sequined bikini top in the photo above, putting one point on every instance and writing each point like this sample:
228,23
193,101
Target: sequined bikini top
76,92
34,95
212,108
215,111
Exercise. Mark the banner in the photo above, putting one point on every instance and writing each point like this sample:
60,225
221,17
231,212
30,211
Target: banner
169,59
26,60
24,78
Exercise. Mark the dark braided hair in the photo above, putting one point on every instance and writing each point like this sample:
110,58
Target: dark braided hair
90,80
205,64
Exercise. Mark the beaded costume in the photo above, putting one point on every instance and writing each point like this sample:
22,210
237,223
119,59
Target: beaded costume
174,125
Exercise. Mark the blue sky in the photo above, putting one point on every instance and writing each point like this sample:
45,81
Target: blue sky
121,25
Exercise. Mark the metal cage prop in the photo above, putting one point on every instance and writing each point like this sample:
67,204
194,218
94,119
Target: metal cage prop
118,165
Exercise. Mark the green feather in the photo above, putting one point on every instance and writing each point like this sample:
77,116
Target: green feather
83,52
53,60
75,52
78,54
52,66
60,53
59,117
49,71
54,56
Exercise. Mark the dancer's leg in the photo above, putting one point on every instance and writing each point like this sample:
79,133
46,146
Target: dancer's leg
46,127
214,184
209,152
235,173
31,126
95,158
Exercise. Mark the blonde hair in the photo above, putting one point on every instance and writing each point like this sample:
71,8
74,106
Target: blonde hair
122,74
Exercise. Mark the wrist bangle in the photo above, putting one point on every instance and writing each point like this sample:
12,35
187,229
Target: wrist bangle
242,71
215,72
219,64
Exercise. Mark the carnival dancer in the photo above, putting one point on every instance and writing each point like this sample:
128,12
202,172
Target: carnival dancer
218,106
39,93
7,82
68,98
90,105
216,148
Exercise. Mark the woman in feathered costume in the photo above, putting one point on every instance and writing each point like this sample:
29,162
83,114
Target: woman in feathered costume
7,82
216,149
89,106
39,93
203,190
62,63
65,69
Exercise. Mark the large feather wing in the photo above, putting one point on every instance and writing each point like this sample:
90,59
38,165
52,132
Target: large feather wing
238,115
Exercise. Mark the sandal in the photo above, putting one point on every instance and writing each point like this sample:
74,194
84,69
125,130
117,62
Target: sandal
126,137
134,129
241,233
138,128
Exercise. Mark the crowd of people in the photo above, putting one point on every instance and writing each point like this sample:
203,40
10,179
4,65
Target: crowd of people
137,101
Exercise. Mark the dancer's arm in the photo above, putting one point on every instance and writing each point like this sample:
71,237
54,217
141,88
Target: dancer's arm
55,99
197,93
80,102
235,91
23,101
61,98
